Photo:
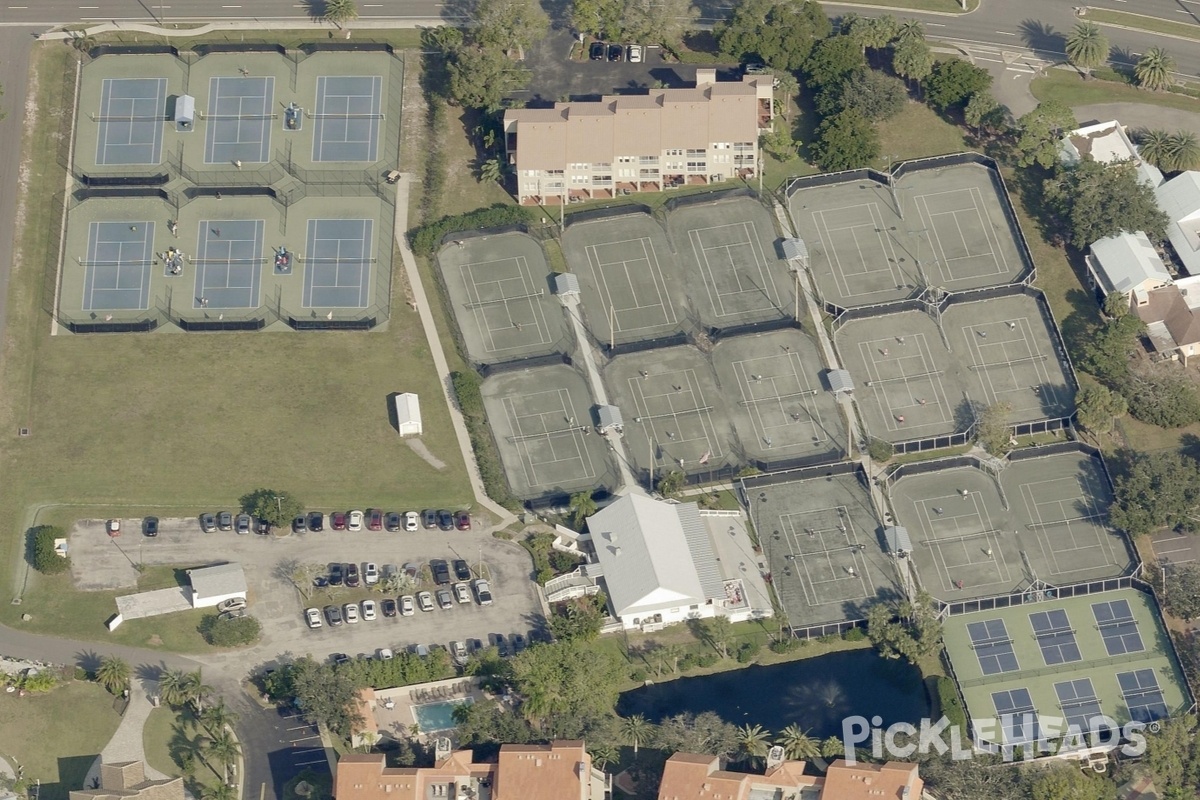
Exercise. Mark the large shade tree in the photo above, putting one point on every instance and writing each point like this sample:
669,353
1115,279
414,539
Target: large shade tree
780,33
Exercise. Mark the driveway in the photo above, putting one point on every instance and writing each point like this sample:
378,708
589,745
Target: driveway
1175,548
271,565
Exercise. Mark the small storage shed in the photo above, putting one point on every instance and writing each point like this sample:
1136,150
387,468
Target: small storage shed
566,283
609,418
212,585
185,111
408,414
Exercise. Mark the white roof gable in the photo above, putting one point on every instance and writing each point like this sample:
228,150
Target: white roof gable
647,564
1128,262
1179,198
1107,143
217,581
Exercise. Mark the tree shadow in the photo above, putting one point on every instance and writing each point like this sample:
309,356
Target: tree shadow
1189,445
315,8
88,661
1037,35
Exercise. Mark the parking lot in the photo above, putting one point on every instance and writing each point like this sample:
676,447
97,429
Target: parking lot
278,570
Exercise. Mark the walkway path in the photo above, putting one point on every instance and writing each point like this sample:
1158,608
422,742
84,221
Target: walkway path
1140,115
128,742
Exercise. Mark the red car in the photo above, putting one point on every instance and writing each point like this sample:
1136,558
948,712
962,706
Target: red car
337,520
374,519
462,520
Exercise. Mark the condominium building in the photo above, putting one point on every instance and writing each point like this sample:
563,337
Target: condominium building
639,143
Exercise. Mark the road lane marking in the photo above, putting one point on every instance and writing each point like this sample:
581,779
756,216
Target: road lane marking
936,24
1006,33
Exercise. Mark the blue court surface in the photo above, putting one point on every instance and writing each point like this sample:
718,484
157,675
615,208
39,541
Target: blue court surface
337,263
119,258
229,263
131,118
347,117
239,120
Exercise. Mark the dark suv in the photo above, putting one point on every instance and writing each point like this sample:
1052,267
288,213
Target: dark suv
440,570
596,51
316,521
445,520
429,519
352,575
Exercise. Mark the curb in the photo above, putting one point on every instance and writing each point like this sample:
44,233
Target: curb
1192,39
298,23
901,10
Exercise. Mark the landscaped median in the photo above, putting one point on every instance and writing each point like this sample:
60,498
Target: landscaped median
1141,22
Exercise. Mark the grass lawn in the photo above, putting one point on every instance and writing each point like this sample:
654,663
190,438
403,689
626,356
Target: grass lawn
1068,87
57,736
1144,23
181,423
949,6
916,132
169,739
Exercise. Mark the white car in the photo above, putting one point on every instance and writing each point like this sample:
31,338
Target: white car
370,573
351,613
458,651
407,606
385,654
313,617
483,592
461,593
412,521
634,53
355,521
425,600
368,610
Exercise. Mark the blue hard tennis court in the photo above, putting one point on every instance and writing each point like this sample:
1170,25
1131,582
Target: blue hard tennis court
117,267
131,118
229,263
337,263
347,117
239,119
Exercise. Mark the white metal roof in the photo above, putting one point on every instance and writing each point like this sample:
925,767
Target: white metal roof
1128,261
647,562
408,411
223,579
566,283
1179,198
609,416
1107,142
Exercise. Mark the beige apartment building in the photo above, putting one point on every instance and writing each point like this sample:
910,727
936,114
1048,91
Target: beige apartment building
639,143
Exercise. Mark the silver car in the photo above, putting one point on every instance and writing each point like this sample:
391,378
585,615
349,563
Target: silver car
425,601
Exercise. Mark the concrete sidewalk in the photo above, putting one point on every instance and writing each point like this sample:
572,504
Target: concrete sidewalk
297,24
127,743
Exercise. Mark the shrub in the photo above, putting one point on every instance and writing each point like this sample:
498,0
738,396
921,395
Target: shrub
426,239
786,645
44,558
854,635
638,675
470,402
688,661
230,632
747,651
563,562
707,659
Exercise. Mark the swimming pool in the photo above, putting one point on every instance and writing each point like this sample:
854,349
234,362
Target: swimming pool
439,716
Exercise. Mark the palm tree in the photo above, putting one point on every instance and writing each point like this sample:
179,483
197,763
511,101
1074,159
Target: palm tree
83,42
719,632
340,11
798,745
1183,150
1087,47
195,690
113,674
225,749
222,791
1153,70
912,60
670,654
582,507
910,29
635,730
753,741
602,756
217,716
1155,146
492,169
171,687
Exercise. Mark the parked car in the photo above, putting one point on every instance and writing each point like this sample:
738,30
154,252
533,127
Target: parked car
407,605
445,520
351,612
236,613
461,570
262,527
385,654
225,521
208,522
113,527
429,519
597,50
412,521
461,593
352,575
444,600
370,573
312,617
440,570
393,521
518,643
340,659
483,592
755,68
389,607
243,524
368,610
374,519
425,601
337,520
501,644
355,522
336,574
616,52
458,651
634,53
232,604
316,521
150,526
419,649
333,615
462,520
299,524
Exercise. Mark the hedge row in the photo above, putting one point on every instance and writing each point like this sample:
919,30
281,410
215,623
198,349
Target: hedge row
470,402
948,702
425,239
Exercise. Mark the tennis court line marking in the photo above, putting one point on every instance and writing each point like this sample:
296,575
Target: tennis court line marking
327,115
689,389
811,560
716,297
872,355
357,265
479,312
656,276
841,275
206,259
1098,533
986,533
252,118
523,445
1001,334
945,263
88,302
801,411
103,140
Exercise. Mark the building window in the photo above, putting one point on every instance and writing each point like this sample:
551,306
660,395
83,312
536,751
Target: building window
699,152
647,160
675,152
626,159
602,180
722,146
580,179
697,166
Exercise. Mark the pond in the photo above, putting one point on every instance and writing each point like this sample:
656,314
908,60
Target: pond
814,693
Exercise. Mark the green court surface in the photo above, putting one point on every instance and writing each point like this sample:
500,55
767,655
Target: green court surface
943,227
1043,519
1054,663
911,385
